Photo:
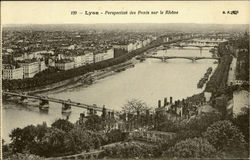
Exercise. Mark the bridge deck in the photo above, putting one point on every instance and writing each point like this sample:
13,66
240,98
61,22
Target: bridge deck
180,57
76,104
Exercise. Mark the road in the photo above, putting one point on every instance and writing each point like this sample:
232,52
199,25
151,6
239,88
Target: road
232,72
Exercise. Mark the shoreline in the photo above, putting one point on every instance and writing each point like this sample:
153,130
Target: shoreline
82,80
88,79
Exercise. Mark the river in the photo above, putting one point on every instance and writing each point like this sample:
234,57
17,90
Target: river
148,81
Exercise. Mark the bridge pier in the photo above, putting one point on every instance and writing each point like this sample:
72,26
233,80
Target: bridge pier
193,60
163,59
23,100
66,108
44,105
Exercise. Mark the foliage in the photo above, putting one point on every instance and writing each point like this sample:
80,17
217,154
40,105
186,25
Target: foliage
94,123
134,105
23,138
224,134
63,124
166,125
192,148
132,150
63,138
242,122
185,129
79,139
53,143
116,136
191,128
218,80
20,156
242,66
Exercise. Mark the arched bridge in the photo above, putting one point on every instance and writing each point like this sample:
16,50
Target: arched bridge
164,58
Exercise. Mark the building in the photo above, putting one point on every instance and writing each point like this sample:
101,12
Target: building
123,46
11,72
240,100
99,57
42,65
131,47
207,96
30,67
79,60
64,64
89,57
109,54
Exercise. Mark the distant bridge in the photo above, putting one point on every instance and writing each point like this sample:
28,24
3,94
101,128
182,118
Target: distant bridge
200,43
164,58
194,45
45,99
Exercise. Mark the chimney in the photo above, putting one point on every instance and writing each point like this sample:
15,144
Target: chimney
165,102
159,103
103,112
171,100
175,102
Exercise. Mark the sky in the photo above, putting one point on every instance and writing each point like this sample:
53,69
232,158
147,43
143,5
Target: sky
59,12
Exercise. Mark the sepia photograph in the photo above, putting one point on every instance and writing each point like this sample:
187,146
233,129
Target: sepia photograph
123,80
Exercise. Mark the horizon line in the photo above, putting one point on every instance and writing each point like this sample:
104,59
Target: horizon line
122,23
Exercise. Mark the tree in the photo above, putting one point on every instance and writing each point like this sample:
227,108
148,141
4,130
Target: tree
134,106
116,136
223,135
79,139
196,126
242,122
63,124
53,143
16,138
131,150
192,148
23,139
94,123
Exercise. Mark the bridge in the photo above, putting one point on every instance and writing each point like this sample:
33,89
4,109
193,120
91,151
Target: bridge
181,45
193,59
65,103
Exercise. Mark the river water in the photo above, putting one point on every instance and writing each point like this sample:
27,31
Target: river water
148,81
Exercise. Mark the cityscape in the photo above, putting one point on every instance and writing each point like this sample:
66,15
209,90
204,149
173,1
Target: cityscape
125,91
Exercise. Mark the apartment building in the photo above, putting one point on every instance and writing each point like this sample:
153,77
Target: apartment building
30,67
64,64
10,72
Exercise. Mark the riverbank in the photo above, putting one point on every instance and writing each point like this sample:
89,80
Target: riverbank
88,79
82,80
